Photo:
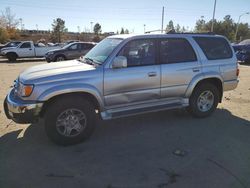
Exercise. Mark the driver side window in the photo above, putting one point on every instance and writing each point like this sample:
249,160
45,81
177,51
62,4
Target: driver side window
139,52
73,47
25,45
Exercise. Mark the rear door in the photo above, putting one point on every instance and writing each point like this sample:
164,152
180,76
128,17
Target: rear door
85,47
179,64
26,50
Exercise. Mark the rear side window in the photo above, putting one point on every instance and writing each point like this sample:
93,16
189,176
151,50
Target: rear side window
86,46
176,50
214,47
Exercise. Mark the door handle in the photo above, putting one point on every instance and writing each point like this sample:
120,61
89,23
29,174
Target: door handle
196,70
152,74
30,49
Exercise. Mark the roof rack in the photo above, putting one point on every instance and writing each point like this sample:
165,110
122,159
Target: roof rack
174,32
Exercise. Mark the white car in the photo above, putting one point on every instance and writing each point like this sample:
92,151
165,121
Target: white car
26,49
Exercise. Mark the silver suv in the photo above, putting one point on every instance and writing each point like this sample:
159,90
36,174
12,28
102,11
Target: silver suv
121,76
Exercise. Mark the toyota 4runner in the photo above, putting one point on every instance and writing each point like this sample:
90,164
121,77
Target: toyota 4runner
121,76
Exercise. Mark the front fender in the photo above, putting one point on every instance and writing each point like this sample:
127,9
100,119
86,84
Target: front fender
199,78
72,88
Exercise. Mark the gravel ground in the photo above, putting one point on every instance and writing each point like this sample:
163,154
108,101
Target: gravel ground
164,149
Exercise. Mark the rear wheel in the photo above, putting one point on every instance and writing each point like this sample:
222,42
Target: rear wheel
70,120
203,100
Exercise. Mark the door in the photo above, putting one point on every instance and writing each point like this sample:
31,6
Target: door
74,51
179,65
25,50
85,48
139,81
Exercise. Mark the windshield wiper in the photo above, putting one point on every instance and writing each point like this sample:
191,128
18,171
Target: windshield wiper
90,61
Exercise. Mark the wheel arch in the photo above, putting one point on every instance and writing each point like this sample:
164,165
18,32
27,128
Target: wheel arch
85,95
10,53
213,79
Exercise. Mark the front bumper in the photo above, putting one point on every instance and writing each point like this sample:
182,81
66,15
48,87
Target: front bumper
49,58
21,111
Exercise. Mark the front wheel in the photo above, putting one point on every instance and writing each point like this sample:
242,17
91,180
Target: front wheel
11,57
203,100
69,120
60,58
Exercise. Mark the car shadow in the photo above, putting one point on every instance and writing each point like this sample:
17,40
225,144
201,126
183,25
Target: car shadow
24,60
245,64
130,152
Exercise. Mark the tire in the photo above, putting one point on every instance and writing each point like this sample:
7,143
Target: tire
80,123
60,58
11,57
203,100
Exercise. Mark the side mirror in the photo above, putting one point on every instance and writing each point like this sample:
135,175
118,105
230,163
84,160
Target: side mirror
119,62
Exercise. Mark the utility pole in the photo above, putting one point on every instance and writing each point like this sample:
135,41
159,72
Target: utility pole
162,19
212,28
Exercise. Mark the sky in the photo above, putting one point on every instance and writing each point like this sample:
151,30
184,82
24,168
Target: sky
115,14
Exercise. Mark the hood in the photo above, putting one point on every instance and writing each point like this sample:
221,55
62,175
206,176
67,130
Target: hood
53,71
56,50
8,48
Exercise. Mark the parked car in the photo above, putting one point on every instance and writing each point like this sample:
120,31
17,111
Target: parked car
242,51
243,55
71,51
124,75
25,49
10,44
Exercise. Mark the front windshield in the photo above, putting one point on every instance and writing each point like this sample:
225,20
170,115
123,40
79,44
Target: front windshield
66,46
103,49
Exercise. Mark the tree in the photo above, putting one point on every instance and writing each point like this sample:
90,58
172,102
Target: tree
200,25
178,28
97,28
8,19
226,27
122,31
4,36
8,25
126,31
58,29
170,26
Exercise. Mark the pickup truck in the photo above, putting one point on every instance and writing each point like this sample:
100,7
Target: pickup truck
125,75
26,49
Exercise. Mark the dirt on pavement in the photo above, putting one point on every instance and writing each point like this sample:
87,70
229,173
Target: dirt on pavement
163,149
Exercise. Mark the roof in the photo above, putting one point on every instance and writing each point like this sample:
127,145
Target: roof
125,36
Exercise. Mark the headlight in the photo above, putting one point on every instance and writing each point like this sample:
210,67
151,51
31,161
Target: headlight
25,90
2,52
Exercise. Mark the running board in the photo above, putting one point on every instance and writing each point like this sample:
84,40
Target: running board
112,114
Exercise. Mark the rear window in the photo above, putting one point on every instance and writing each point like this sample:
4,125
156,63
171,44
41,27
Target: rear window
176,50
214,47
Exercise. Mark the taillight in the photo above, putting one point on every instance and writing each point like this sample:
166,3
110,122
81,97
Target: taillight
237,71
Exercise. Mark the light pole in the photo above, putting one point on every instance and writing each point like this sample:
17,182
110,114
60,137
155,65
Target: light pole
162,19
144,28
212,28
91,27
21,23
237,28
